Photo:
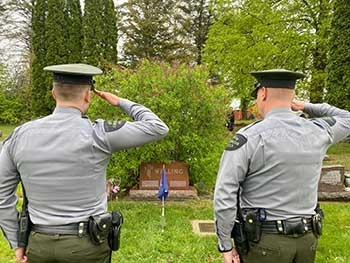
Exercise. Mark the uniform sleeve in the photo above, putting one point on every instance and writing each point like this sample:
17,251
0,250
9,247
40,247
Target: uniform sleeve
335,120
9,179
146,127
233,168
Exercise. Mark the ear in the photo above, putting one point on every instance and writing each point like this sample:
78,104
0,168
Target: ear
53,93
264,93
87,97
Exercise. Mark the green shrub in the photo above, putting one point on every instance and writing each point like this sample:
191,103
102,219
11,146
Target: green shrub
12,108
181,97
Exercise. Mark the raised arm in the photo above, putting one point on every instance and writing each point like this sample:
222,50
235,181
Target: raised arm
335,120
146,127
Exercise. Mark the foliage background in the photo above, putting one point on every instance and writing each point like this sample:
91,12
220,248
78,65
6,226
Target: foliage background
183,99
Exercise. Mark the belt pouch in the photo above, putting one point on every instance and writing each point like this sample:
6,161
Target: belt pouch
99,228
295,227
114,235
252,227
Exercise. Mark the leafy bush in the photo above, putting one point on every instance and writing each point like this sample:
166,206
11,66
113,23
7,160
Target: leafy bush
14,102
182,98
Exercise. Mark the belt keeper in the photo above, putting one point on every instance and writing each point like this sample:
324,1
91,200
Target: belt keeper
305,225
81,229
279,226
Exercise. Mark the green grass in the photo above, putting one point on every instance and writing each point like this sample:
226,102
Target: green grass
339,154
142,240
6,130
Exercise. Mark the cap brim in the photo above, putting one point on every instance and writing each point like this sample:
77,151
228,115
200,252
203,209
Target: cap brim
74,69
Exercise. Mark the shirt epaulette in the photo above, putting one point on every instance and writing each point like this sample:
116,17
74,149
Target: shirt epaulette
249,126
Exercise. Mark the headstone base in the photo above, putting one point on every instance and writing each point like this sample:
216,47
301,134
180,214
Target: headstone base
334,196
151,195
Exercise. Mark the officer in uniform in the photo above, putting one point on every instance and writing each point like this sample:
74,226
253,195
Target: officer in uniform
266,189
61,160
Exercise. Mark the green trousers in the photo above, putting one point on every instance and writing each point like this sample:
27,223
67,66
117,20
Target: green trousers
276,248
44,248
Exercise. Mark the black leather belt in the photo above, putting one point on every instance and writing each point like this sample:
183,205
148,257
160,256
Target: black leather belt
295,226
79,229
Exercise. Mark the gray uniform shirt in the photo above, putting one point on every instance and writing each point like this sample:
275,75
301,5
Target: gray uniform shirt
62,162
277,162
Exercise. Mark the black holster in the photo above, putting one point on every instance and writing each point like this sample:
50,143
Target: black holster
317,221
24,222
240,238
114,234
104,227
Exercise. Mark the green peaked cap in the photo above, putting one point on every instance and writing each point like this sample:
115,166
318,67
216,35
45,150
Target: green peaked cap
276,78
74,73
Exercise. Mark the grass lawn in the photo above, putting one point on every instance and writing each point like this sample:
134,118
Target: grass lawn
142,240
339,154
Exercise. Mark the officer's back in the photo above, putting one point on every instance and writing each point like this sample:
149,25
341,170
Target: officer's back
61,160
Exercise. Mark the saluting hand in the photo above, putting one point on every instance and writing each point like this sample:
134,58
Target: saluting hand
298,105
107,96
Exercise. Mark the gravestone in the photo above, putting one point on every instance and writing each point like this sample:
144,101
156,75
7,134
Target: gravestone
177,177
332,179
203,227
331,186
176,173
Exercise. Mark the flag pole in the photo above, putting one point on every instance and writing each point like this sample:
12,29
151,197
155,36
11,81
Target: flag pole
163,209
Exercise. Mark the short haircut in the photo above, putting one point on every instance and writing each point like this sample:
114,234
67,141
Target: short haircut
281,93
70,92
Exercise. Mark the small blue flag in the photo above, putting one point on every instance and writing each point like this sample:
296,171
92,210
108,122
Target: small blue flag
163,188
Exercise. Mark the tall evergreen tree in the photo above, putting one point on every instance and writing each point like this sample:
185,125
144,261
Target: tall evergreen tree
39,48
338,83
93,32
150,30
55,33
56,52
74,35
110,32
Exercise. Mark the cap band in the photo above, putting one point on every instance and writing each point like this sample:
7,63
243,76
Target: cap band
72,79
278,83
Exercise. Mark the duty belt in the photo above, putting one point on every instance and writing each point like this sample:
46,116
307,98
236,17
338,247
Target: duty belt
80,229
295,226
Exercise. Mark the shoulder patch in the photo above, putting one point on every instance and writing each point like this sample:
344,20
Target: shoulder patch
237,142
330,120
111,126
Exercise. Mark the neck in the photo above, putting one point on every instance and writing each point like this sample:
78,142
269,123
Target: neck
70,104
278,104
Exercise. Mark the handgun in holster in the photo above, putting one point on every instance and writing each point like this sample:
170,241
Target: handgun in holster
104,227
238,233
317,219
114,235
23,223
240,238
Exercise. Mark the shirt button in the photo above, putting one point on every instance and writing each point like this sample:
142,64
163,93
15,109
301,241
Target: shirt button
263,253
